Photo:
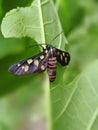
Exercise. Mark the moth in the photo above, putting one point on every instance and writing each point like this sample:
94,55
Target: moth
45,60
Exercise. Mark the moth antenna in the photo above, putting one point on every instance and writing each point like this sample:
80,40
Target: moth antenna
56,36
41,45
36,45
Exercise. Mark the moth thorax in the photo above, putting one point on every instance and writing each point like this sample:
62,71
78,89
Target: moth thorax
52,52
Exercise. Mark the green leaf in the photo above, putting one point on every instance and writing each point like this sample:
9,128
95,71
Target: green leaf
75,106
36,22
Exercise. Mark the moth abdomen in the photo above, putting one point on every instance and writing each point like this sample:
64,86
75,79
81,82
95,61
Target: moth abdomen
51,68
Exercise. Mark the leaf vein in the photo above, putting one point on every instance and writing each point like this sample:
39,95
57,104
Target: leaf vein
92,119
91,85
68,102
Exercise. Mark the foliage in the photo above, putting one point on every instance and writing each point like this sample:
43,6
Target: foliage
72,98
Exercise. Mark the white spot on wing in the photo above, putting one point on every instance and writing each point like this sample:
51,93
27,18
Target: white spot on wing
22,67
42,67
65,60
67,54
61,57
46,51
36,62
26,68
42,57
63,54
29,61
18,65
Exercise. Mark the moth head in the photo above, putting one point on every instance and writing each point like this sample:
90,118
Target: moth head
48,47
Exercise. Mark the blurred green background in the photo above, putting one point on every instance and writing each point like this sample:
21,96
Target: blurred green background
79,20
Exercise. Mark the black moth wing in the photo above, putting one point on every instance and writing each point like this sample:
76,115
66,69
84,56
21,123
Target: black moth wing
63,57
36,63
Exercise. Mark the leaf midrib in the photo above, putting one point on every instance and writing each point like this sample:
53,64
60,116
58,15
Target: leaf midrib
42,22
